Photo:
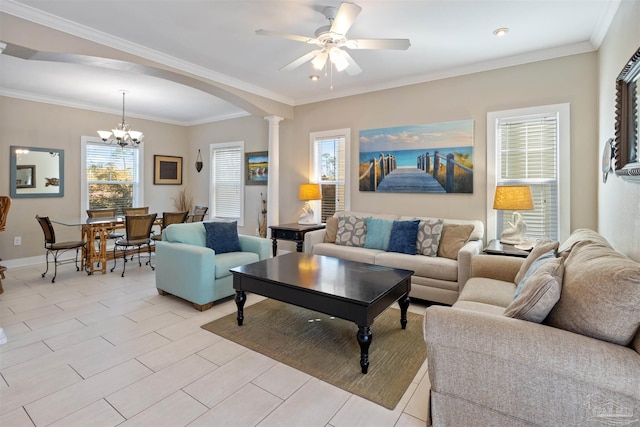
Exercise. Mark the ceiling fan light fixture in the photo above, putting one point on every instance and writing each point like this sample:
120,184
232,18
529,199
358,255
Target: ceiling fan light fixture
314,77
337,59
319,61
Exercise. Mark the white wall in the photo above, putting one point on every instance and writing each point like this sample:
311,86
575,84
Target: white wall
618,200
570,79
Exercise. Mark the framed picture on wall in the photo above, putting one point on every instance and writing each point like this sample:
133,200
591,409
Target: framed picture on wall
257,168
167,170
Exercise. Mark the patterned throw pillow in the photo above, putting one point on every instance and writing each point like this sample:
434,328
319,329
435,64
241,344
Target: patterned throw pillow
428,239
352,231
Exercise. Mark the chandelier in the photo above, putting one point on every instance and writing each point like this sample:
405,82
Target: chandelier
122,134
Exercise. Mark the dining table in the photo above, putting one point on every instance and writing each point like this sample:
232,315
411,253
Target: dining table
97,230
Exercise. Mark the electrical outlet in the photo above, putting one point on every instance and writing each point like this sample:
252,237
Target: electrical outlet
17,241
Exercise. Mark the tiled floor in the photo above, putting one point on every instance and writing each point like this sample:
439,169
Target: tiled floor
104,351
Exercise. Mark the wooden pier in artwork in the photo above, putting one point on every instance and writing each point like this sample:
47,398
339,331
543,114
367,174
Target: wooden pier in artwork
409,180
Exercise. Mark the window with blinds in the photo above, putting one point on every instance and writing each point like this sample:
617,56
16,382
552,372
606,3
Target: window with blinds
227,185
112,176
328,161
527,154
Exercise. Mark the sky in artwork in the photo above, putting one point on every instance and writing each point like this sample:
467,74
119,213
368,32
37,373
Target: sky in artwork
447,134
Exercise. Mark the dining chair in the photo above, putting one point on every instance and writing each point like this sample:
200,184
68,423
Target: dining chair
136,211
138,230
57,248
198,213
5,204
105,213
169,218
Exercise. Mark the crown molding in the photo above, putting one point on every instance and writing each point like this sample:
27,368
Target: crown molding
536,56
603,24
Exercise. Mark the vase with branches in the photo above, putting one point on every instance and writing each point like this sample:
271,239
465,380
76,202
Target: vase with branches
184,201
262,217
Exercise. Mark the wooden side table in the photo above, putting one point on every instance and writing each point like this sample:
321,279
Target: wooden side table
496,248
294,232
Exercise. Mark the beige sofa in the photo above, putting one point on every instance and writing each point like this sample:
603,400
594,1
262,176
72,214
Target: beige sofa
435,278
580,366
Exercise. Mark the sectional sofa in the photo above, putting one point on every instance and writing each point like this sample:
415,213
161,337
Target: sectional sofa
565,352
439,276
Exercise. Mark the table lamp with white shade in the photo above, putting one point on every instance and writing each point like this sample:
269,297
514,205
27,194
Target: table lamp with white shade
308,192
513,198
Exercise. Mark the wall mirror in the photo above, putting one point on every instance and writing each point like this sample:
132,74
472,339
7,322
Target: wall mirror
628,120
36,172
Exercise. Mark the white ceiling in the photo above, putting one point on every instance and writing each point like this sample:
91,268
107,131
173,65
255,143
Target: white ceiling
216,39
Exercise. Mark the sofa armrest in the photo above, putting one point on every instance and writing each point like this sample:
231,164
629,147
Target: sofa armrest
497,267
526,370
465,255
312,238
258,245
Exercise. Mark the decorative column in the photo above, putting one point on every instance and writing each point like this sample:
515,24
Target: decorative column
273,186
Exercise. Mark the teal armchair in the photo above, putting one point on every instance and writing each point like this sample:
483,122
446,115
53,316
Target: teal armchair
187,268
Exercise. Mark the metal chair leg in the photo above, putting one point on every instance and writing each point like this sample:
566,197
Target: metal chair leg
55,267
115,260
47,258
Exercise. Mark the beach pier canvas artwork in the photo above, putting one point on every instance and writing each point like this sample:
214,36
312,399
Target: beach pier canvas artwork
431,158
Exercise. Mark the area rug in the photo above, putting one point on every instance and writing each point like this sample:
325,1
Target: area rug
326,347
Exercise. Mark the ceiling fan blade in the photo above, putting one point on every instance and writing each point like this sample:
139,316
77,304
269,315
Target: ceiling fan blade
347,13
304,58
353,69
395,44
303,39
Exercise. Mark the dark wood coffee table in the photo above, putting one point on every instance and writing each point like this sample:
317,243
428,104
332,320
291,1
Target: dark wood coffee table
350,290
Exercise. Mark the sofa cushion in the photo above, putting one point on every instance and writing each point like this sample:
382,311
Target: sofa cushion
222,236
403,236
488,291
540,292
533,268
378,233
600,294
228,260
432,267
540,248
347,252
190,233
331,230
453,238
428,239
352,231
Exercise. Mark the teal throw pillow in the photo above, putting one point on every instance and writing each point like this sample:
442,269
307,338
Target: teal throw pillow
378,233
535,266
222,237
403,236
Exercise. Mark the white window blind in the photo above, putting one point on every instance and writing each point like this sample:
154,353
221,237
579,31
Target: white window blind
527,154
112,176
329,166
226,181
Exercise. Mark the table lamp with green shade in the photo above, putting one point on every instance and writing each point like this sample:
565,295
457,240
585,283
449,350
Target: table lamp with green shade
513,198
308,192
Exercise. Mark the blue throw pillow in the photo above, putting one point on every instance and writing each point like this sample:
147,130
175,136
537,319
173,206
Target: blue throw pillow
222,237
378,233
403,236
535,266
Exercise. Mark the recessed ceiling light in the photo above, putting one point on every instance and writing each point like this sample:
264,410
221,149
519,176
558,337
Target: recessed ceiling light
500,32
314,77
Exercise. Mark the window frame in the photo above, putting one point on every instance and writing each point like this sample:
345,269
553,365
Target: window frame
138,197
563,163
314,172
241,184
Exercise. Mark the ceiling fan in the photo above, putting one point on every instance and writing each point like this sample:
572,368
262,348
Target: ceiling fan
332,38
